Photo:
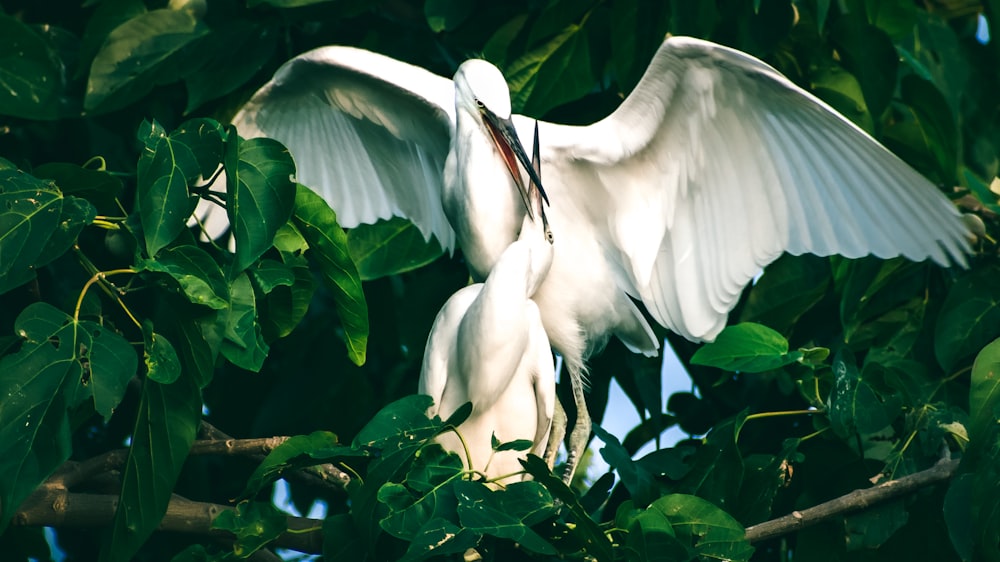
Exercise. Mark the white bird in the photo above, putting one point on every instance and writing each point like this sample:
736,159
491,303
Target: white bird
508,374
710,169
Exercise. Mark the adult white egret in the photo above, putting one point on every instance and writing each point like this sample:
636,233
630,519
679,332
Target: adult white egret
508,374
711,168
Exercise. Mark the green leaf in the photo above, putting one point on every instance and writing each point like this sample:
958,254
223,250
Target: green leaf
138,55
108,15
390,247
164,431
162,364
285,3
204,137
199,341
37,225
408,513
220,73
446,15
296,452
432,465
401,424
341,539
162,191
199,276
244,343
984,392
958,515
35,382
713,533
97,186
854,404
874,526
868,53
260,192
439,537
113,363
255,524
636,479
484,511
30,72
789,288
652,538
551,74
287,306
970,317
586,530
317,223
748,348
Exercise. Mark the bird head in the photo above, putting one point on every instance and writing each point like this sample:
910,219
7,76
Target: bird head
480,89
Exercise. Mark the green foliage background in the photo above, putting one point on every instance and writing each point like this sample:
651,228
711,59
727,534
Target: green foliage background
118,323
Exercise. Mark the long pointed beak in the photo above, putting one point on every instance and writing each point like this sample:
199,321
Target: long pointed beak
506,141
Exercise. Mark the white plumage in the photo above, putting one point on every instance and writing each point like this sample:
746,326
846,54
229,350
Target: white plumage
711,168
488,346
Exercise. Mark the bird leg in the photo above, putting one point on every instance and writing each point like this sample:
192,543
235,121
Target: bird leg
580,435
557,432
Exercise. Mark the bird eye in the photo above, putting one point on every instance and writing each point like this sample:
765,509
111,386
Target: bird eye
480,104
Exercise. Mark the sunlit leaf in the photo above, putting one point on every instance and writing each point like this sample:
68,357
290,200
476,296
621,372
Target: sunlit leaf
317,223
390,247
713,533
984,392
747,347
445,15
255,524
261,194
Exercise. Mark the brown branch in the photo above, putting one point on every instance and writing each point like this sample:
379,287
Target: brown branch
858,499
54,507
323,476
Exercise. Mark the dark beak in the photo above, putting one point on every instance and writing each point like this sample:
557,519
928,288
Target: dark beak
506,141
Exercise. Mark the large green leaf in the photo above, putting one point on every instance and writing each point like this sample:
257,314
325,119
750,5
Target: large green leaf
113,363
97,186
244,343
506,514
747,347
551,74
713,533
867,52
162,190
35,383
389,247
261,195
854,404
137,55
37,225
219,72
298,451
164,431
200,278
30,72
328,251
970,317
984,392
254,523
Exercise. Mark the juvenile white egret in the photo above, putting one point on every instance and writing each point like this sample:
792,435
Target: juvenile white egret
508,374
711,168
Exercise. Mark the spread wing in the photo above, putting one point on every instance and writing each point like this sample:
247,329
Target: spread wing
716,164
368,133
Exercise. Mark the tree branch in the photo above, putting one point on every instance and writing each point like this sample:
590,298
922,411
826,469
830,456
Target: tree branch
54,507
858,499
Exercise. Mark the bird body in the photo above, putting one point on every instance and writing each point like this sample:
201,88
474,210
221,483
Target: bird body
711,168
488,346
